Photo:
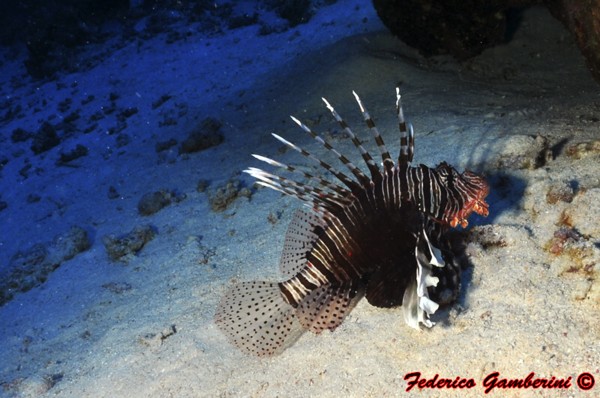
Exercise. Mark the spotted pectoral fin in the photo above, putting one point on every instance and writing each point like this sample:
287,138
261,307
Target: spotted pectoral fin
256,319
303,231
327,306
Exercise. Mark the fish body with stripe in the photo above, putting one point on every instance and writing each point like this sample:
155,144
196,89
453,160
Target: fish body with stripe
379,236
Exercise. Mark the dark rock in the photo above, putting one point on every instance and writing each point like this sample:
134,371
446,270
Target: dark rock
122,140
561,191
519,152
239,21
45,139
208,135
294,11
20,135
30,268
90,128
152,202
464,29
117,287
24,171
87,99
584,149
66,246
488,236
460,28
72,117
33,198
96,116
164,145
54,31
113,193
126,113
15,112
78,152
123,247
582,19
224,195
202,185
163,98
178,196
64,105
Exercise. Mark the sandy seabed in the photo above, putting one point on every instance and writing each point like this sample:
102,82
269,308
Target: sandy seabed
525,114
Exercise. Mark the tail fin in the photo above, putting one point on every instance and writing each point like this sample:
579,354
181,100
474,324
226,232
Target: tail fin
256,319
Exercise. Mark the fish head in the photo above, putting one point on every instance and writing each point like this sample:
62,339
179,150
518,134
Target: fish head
472,190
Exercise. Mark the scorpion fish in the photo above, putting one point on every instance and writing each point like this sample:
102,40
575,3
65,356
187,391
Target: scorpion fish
380,236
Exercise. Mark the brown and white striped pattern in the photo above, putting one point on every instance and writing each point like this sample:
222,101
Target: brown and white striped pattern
365,237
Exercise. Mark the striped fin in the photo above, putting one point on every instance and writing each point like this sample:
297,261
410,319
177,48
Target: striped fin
407,138
388,163
329,261
256,319
277,183
416,304
274,181
373,169
304,192
338,174
326,307
303,231
334,187
353,169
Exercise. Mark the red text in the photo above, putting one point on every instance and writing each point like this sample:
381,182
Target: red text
414,379
493,380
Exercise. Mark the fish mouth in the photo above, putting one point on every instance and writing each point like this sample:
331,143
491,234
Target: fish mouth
476,205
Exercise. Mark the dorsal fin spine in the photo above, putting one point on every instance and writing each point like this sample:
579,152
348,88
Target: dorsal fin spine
388,163
321,181
368,159
345,161
338,174
407,136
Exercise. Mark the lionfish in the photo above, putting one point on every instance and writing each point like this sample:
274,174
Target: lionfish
380,236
